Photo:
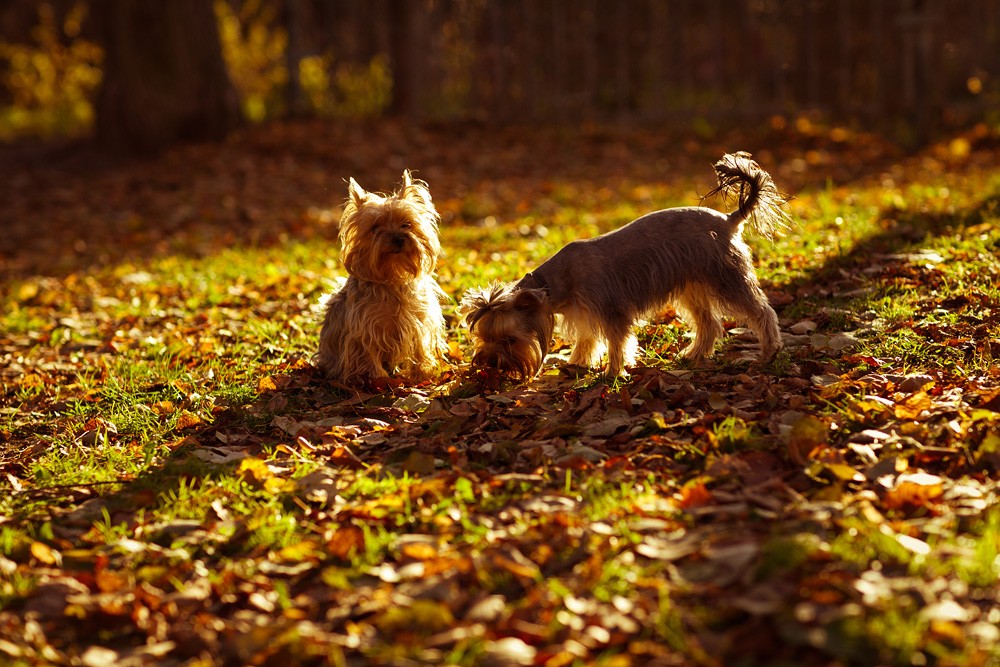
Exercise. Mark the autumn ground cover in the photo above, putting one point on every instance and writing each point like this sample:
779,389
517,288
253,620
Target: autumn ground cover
177,485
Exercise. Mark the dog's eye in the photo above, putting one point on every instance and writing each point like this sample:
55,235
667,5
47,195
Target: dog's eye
405,225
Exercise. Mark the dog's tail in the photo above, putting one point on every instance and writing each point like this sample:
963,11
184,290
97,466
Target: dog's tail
758,199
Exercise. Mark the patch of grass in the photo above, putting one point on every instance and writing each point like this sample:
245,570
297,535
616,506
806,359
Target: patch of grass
783,554
732,434
978,559
859,545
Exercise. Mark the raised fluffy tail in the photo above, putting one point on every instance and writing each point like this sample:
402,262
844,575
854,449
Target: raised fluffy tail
758,199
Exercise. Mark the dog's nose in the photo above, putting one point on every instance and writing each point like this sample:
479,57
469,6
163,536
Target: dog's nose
397,242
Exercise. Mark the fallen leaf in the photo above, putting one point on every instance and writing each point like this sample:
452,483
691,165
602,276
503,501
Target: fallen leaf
913,406
806,434
346,542
914,491
421,616
511,651
694,494
45,554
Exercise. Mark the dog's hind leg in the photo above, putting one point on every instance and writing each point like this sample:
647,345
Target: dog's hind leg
763,321
697,306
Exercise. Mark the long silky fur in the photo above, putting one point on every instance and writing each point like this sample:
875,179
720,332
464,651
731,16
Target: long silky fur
512,328
758,199
370,329
692,257
387,316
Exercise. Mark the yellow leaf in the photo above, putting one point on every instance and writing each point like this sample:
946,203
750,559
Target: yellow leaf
422,616
805,435
253,471
27,292
164,408
418,551
266,383
948,631
913,406
278,485
845,472
295,553
959,148
45,554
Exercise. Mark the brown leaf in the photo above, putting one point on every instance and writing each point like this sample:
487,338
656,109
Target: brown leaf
914,491
343,456
188,420
694,494
991,403
419,463
346,542
109,581
805,435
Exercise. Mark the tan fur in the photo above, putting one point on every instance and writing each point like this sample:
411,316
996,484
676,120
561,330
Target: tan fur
692,257
387,317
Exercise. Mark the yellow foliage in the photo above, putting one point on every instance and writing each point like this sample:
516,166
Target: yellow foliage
346,90
255,46
254,49
51,83
53,80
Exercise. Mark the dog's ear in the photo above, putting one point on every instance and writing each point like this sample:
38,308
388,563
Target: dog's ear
528,299
415,190
356,192
476,303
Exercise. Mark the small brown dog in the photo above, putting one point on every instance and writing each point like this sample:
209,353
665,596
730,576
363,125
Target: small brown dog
692,256
387,317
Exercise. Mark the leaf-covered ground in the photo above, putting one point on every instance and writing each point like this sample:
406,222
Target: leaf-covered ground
177,485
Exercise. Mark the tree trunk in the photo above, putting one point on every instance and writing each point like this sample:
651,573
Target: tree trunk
165,79
407,57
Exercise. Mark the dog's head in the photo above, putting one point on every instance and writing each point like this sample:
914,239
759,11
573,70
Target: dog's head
512,328
390,239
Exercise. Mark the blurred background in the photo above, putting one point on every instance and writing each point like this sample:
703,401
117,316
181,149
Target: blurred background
133,129
141,75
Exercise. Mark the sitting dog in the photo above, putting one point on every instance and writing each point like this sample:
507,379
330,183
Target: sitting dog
693,257
387,317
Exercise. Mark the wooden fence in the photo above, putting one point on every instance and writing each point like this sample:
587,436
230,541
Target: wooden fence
912,60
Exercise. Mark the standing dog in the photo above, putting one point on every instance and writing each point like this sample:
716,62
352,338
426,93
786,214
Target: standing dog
694,257
387,317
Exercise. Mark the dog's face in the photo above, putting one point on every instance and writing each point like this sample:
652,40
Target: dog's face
390,239
512,328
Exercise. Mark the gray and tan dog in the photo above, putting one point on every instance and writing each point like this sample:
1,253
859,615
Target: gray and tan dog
693,257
